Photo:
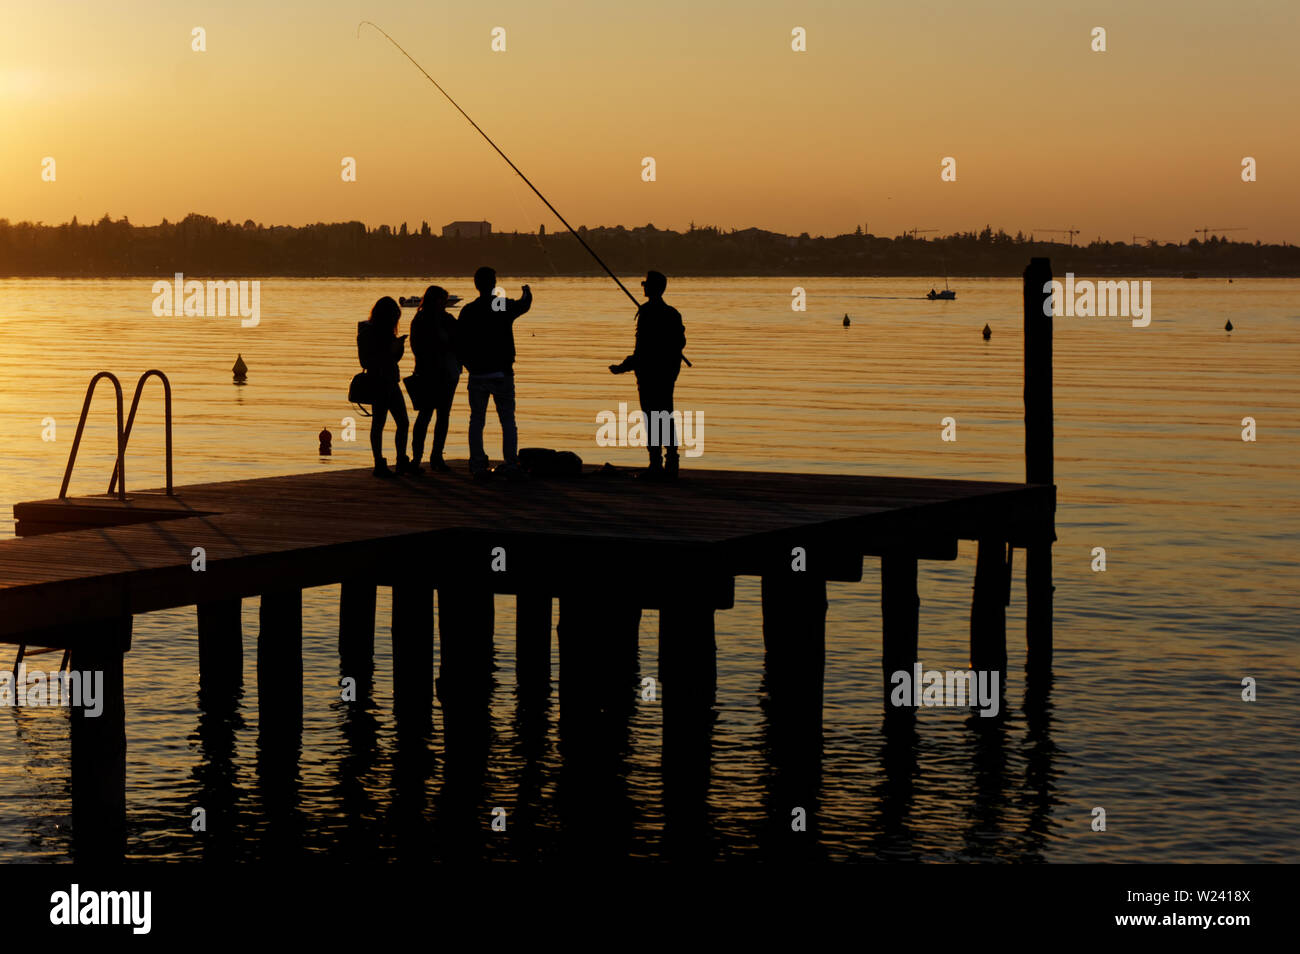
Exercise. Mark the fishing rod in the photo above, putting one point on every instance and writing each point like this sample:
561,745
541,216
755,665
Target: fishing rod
527,182
480,131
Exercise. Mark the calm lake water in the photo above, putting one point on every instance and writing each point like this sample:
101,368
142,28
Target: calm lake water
1201,531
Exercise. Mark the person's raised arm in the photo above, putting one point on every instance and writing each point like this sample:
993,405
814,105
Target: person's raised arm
523,303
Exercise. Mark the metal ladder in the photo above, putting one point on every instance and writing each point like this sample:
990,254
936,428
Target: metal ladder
24,652
118,480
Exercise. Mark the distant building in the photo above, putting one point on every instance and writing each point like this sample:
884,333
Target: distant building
467,230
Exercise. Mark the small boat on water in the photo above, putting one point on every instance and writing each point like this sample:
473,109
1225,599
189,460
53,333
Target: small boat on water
947,294
413,301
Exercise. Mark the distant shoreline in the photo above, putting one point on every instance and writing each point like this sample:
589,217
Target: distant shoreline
199,245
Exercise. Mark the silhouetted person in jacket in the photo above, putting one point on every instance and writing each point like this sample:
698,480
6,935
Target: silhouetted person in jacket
379,349
486,344
437,372
657,359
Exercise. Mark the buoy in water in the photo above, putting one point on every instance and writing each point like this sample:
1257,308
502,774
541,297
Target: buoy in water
1228,326
988,332
326,438
846,321
240,370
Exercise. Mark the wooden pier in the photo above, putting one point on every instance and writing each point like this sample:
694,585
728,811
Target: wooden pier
605,546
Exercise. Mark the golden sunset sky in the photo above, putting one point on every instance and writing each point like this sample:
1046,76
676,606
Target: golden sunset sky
1145,138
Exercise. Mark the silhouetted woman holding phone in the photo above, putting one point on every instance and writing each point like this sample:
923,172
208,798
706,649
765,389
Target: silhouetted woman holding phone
379,348
437,372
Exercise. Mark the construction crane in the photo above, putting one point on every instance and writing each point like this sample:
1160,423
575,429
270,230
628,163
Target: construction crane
1145,238
1070,232
1205,233
914,232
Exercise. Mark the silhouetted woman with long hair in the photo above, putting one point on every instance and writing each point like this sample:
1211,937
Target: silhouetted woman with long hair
379,349
437,372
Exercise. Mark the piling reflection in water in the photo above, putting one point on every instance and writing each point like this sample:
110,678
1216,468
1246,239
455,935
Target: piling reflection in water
279,721
598,643
794,636
792,776
1040,754
465,685
894,837
216,774
688,674
359,728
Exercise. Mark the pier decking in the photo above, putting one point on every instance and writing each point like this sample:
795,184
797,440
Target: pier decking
83,559
605,546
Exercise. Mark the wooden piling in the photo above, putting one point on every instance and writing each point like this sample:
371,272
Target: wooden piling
623,653
533,643
412,631
466,621
99,745
900,621
357,630
598,640
1039,455
988,615
221,646
1038,622
279,664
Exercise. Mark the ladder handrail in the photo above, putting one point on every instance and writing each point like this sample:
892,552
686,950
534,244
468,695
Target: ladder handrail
167,417
81,426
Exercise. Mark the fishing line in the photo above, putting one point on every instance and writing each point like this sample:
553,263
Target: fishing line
480,131
517,198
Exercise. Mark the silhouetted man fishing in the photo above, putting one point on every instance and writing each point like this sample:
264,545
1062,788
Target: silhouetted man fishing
657,360
486,345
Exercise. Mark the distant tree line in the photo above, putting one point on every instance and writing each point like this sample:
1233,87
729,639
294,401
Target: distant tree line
201,245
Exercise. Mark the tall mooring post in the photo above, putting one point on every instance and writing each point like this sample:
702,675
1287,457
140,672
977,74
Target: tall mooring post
1039,458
